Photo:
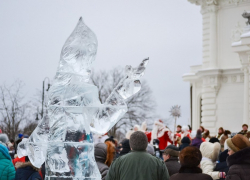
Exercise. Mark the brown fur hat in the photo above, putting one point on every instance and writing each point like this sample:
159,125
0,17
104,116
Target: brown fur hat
238,142
190,157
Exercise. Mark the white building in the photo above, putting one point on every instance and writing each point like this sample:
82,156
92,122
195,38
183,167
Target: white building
219,87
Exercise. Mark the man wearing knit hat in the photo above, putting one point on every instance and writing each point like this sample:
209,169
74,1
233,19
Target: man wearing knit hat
239,158
170,156
138,164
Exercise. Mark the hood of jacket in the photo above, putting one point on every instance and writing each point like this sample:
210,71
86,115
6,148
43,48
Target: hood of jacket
101,152
19,165
210,150
4,152
240,157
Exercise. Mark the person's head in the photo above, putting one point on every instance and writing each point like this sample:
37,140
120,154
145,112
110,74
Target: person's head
214,140
179,128
170,151
244,127
136,127
12,142
210,150
150,149
237,143
190,157
221,130
227,132
4,139
202,129
185,129
111,139
185,140
207,132
105,152
20,136
138,141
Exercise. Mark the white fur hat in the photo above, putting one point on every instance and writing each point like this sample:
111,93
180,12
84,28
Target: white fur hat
185,128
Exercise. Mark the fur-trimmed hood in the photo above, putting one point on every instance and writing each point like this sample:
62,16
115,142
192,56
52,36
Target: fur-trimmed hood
25,164
240,157
210,150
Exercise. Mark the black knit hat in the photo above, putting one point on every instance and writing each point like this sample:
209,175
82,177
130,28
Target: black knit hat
190,157
138,141
214,140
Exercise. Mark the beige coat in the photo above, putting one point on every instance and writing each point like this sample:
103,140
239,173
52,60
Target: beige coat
208,166
210,153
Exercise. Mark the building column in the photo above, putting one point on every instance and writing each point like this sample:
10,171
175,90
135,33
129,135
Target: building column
246,95
213,38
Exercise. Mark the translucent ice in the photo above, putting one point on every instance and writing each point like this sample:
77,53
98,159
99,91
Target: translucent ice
63,138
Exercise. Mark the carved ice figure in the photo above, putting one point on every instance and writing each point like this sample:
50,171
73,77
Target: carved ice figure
63,138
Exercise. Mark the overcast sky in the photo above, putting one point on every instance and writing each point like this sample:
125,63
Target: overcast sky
33,32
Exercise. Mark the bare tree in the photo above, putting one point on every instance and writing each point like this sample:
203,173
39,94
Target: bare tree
141,106
14,110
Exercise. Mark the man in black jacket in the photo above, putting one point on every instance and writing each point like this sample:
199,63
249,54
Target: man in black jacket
170,156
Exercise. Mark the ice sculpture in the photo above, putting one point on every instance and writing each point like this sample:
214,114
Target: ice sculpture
63,139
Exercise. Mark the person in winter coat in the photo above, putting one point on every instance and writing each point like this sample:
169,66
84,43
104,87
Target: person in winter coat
104,156
220,133
185,142
222,164
125,148
138,164
197,140
170,157
206,135
7,170
190,159
26,171
210,153
224,138
239,158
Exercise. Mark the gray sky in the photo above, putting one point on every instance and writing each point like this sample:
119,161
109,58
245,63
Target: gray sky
33,32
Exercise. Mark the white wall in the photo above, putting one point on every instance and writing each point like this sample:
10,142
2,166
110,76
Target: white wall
230,106
228,18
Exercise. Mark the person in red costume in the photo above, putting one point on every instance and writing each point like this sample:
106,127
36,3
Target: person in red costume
161,133
144,129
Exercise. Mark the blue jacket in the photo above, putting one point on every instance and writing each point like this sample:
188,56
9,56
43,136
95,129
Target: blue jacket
7,170
25,171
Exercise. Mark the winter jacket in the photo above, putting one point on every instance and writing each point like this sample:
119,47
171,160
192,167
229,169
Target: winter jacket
190,174
222,165
125,147
7,170
239,165
138,165
173,165
26,171
196,142
207,166
100,157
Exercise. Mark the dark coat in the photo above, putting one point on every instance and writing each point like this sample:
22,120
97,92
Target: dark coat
172,165
196,142
138,165
100,157
239,165
222,165
190,174
125,147
25,171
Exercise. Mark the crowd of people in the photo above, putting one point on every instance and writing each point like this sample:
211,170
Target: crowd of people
158,155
